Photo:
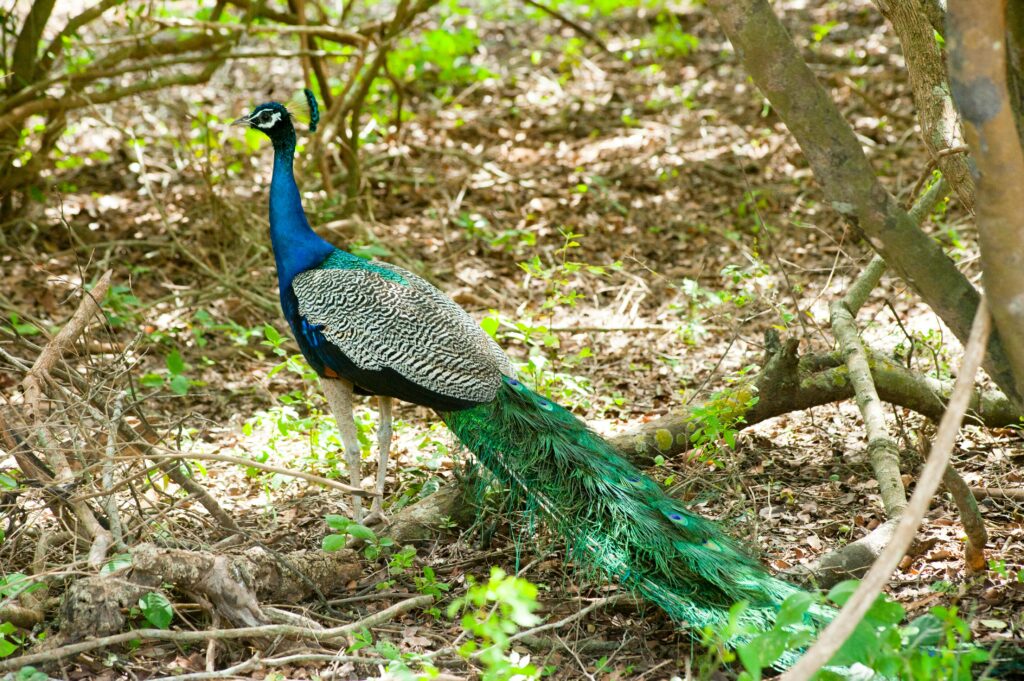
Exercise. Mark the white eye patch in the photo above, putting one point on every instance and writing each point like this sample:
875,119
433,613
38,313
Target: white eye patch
268,119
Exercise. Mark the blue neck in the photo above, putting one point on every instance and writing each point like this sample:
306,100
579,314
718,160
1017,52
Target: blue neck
297,247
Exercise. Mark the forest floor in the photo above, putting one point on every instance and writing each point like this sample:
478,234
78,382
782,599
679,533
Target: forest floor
696,226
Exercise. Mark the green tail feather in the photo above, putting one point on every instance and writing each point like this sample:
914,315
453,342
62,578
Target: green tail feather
614,518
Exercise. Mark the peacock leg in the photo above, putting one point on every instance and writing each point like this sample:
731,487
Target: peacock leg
339,397
384,447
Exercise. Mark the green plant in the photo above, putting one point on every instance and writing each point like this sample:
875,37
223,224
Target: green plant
717,422
428,584
668,40
477,227
548,368
30,674
121,305
934,646
821,31
691,304
156,609
491,613
344,528
16,583
174,379
20,327
9,641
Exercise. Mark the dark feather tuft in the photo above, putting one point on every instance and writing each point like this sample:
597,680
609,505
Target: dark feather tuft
314,109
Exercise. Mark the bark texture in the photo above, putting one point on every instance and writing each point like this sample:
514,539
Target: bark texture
977,63
846,176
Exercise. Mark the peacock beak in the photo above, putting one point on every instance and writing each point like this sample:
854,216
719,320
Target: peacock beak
243,121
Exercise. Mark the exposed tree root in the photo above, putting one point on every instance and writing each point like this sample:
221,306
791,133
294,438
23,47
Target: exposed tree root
234,584
788,382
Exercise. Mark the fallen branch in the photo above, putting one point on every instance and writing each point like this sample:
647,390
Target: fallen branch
788,383
998,493
882,450
970,516
836,633
264,631
234,584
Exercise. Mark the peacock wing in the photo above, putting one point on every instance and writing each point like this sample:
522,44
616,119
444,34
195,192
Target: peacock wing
469,325
382,322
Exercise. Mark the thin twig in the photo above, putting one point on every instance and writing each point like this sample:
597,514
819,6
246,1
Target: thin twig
328,32
263,631
340,486
574,25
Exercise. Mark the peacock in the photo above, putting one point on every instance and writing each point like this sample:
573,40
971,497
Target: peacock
371,328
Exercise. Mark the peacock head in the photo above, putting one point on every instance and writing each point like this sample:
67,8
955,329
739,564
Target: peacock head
273,120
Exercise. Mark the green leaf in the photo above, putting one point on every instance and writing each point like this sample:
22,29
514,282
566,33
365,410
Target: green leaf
179,385
8,482
842,591
17,583
490,326
156,609
175,364
885,612
762,651
338,523
926,630
793,609
271,334
334,542
7,648
361,532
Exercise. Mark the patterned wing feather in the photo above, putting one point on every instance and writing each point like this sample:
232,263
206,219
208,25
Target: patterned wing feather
384,323
469,325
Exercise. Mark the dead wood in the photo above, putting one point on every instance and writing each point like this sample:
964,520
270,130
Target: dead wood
883,453
430,516
788,382
34,431
853,611
234,584
974,525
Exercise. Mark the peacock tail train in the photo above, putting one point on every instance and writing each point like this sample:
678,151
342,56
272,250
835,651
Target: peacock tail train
616,520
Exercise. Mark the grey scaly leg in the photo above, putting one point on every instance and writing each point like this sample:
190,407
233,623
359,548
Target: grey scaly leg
384,448
339,397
